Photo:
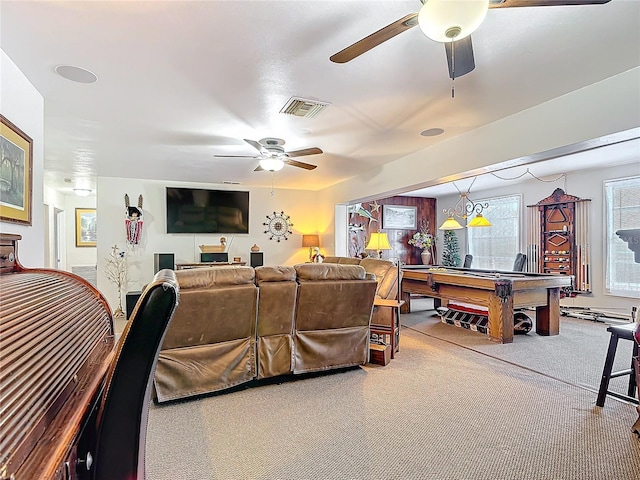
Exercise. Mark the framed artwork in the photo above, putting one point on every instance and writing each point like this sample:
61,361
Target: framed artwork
86,227
16,168
400,217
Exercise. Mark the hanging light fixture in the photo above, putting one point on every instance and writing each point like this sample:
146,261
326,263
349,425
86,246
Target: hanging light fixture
451,20
463,209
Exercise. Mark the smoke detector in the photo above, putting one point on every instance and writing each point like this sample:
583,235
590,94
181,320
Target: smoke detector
302,107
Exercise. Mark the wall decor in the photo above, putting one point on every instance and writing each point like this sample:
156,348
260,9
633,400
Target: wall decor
133,221
399,216
16,168
278,226
358,209
86,227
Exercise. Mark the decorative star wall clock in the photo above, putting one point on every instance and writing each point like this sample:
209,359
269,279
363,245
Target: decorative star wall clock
278,226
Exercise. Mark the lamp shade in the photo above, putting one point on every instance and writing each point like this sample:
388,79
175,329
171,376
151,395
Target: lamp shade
310,241
378,241
450,224
446,20
272,164
479,221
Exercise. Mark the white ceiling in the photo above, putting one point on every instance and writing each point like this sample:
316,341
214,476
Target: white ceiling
182,81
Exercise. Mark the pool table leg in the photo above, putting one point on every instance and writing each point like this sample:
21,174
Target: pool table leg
548,316
500,318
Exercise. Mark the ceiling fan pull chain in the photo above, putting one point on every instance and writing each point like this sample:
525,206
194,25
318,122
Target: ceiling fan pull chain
453,66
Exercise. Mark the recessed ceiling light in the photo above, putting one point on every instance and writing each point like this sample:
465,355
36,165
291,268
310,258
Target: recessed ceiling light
432,132
76,74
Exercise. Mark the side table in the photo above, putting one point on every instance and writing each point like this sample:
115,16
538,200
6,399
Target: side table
392,330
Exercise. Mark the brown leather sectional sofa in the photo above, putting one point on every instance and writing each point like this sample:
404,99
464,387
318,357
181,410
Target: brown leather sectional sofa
236,324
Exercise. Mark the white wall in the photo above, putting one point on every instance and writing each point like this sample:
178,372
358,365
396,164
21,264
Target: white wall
77,256
23,106
53,200
587,184
299,205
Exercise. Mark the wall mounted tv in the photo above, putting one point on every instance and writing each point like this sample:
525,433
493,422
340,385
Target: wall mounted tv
195,210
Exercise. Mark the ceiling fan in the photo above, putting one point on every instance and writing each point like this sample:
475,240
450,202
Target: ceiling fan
273,157
450,22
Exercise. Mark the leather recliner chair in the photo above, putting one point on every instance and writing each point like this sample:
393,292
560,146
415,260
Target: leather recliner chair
196,358
386,274
276,308
333,310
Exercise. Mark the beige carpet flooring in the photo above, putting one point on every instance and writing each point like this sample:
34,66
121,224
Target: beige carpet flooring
439,410
576,355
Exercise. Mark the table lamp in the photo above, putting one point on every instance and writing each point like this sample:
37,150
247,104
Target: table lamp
379,241
310,241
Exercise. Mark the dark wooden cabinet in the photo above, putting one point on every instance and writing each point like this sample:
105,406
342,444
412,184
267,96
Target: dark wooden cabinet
563,244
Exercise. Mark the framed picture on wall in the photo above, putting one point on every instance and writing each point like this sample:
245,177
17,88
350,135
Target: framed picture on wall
86,227
400,217
16,168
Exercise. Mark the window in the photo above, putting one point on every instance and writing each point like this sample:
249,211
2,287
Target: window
496,247
622,207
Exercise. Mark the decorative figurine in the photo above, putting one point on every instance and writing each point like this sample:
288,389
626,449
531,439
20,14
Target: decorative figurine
133,221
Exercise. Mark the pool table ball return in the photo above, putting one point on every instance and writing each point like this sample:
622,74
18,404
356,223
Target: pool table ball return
500,292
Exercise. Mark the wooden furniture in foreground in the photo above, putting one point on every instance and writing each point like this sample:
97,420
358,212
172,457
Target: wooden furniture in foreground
501,292
393,329
73,407
185,266
56,345
624,332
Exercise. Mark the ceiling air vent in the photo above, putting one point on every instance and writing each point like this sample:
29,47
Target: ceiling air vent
301,107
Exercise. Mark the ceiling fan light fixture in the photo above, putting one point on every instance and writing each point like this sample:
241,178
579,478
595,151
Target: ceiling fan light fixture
272,164
447,20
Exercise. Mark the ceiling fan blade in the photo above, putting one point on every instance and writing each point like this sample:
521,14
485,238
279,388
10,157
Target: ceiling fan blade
462,53
375,39
258,169
254,144
305,151
542,3
295,163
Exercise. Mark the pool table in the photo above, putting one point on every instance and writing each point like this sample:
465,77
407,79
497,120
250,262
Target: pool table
501,292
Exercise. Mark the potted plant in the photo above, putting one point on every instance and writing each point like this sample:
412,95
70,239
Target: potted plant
423,240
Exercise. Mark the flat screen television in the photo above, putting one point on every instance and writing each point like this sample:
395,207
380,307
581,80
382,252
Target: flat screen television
196,210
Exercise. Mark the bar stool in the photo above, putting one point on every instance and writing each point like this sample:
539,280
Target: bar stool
624,332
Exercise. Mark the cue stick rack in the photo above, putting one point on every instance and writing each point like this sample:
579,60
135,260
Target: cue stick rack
558,238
